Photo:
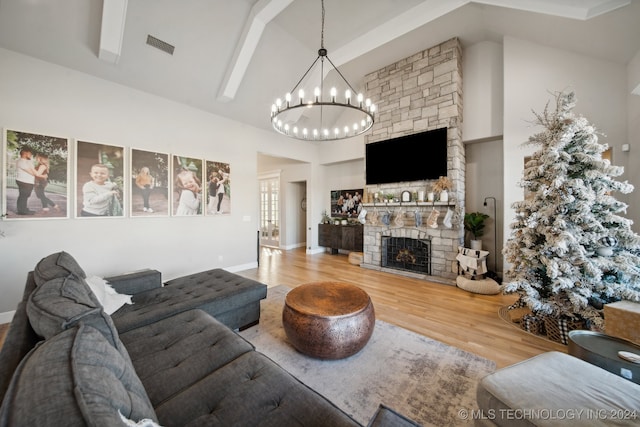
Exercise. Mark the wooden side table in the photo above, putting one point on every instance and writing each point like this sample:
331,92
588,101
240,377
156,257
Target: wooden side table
328,320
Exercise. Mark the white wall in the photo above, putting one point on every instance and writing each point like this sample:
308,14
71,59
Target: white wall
531,73
297,216
631,159
41,97
482,91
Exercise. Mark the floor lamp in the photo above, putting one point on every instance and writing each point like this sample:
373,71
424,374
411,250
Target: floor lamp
495,233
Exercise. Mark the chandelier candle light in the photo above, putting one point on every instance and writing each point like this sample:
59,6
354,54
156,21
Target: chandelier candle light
319,118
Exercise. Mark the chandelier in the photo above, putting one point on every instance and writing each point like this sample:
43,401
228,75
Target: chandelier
322,116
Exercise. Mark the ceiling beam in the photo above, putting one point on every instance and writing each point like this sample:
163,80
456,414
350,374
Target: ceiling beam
114,15
261,14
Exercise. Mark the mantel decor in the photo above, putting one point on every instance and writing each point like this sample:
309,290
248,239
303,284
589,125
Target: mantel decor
442,186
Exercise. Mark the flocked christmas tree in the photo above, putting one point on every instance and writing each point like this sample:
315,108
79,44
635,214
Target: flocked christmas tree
555,251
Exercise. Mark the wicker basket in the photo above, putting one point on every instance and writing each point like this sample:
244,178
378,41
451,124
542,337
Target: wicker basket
516,314
355,258
534,324
558,328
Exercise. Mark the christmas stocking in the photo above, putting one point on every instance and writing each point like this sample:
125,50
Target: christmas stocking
447,218
432,221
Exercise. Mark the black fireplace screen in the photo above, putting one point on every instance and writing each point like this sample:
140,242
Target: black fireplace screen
403,253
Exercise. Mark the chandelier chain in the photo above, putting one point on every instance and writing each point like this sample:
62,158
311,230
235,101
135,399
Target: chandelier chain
322,27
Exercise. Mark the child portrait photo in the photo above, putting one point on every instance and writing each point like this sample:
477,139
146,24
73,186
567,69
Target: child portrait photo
99,180
149,183
187,186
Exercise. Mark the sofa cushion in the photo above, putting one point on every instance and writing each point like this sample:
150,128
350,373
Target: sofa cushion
249,391
59,304
174,353
57,265
75,378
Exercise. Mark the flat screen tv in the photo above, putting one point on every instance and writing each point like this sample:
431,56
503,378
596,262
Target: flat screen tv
416,157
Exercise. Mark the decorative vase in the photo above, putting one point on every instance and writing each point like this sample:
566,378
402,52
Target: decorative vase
476,245
430,196
444,196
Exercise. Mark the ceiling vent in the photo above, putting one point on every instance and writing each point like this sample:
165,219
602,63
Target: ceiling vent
159,44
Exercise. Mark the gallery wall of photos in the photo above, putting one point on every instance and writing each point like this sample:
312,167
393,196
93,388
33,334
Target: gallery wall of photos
52,177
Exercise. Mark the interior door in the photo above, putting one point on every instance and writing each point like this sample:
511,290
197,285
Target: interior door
270,212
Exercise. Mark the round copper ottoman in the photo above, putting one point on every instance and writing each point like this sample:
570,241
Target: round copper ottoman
328,320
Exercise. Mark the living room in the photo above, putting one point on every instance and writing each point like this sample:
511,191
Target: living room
503,82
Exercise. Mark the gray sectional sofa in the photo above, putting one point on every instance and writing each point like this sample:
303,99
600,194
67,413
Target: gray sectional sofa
164,359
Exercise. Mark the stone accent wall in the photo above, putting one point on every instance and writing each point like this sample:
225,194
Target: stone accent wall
420,93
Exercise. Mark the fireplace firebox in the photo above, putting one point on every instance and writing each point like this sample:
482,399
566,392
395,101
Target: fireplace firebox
403,253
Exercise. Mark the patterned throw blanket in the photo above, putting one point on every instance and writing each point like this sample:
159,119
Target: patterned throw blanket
472,261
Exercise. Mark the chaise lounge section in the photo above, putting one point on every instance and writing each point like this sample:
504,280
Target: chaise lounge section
232,299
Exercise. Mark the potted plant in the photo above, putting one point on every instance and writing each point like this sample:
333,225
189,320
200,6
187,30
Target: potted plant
474,224
442,186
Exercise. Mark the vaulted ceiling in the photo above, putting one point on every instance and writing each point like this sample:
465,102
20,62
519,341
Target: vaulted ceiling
234,57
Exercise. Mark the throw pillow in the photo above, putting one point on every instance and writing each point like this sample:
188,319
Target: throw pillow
61,303
53,305
75,378
57,265
109,298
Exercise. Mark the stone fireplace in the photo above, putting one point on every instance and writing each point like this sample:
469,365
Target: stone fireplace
416,94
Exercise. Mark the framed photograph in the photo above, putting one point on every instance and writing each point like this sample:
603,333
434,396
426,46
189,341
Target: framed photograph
99,180
346,203
149,183
218,191
187,186
36,181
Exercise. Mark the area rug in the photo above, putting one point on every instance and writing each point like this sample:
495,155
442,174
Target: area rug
424,379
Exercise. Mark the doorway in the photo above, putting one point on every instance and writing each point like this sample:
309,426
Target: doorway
270,211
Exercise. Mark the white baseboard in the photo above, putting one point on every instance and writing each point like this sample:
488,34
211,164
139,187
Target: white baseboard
315,251
7,316
242,267
294,246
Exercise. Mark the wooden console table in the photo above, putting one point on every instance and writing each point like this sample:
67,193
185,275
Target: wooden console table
347,237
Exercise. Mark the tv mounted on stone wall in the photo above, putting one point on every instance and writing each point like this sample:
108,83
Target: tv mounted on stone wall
417,157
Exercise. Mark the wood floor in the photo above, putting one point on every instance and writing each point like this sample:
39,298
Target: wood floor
442,312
